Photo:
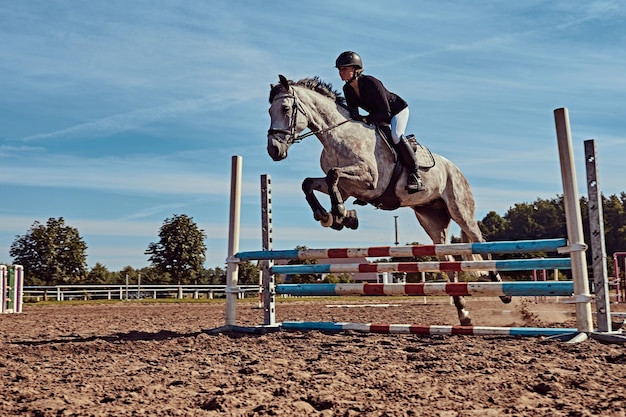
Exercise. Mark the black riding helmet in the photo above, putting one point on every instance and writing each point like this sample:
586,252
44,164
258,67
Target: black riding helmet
349,59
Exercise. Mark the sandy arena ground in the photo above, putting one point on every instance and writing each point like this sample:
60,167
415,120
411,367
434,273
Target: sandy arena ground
145,359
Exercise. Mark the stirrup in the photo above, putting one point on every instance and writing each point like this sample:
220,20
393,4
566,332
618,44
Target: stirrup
414,184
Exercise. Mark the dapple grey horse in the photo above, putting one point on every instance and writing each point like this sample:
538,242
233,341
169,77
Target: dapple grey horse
359,164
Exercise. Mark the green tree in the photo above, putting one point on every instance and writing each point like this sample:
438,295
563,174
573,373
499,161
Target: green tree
492,226
542,219
336,279
614,213
51,253
99,274
150,275
303,278
181,250
128,272
214,276
248,273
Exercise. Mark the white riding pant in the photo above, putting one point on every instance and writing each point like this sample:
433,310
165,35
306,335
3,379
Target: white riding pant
398,125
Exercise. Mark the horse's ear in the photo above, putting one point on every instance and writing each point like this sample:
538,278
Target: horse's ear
283,81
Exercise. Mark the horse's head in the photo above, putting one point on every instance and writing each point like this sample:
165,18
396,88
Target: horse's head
288,119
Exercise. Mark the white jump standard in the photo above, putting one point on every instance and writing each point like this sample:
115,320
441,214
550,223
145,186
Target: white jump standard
11,288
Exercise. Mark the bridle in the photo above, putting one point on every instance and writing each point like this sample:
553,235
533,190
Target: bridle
291,133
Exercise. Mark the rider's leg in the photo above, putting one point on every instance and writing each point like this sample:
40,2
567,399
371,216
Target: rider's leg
409,160
405,150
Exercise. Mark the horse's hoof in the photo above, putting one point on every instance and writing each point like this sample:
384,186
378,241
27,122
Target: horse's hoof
326,220
336,226
466,321
464,316
320,215
506,299
351,221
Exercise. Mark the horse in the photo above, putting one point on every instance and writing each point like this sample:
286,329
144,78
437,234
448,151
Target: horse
359,163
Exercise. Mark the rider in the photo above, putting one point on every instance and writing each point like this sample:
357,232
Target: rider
386,109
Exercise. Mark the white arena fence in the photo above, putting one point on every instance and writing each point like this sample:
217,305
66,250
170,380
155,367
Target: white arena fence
131,292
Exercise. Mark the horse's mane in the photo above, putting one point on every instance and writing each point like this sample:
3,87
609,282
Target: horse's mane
313,84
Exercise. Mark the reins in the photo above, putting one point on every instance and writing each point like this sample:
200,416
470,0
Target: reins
292,125
328,129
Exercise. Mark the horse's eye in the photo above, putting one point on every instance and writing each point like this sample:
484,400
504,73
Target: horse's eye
286,109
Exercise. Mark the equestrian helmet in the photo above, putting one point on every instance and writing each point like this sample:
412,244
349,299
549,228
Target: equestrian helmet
349,59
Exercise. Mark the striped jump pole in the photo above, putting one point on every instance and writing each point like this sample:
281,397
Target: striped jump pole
520,246
514,289
426,330
503,265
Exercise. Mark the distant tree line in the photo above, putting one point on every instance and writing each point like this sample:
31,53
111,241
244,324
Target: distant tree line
54,253
544,219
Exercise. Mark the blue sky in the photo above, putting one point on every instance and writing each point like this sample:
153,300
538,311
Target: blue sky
117,115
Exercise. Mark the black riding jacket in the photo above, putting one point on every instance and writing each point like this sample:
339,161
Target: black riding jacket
374,98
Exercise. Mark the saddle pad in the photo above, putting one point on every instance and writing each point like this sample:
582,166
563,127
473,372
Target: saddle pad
424,156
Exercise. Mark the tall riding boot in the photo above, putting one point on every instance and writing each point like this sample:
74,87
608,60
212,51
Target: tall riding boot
409,160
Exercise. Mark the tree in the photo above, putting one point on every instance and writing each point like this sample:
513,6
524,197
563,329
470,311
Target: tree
128,274
215,276
336,279
614,209
181,250
150,275
99,274
302,278
248,273
51,253
492,226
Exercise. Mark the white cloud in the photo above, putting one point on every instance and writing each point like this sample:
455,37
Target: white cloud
130,121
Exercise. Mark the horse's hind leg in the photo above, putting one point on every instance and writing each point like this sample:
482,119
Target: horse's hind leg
463,213
435,220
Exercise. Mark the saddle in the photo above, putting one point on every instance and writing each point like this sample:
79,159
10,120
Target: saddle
388,200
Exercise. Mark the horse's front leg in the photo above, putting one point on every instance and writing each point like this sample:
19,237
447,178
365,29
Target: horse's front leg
338,210
459,301
460,304
309,185
339,216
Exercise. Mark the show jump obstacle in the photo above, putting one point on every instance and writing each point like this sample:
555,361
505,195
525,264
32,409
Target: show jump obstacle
578,288
11,288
